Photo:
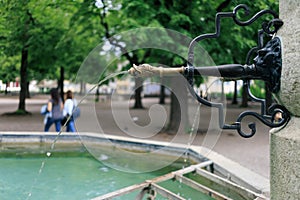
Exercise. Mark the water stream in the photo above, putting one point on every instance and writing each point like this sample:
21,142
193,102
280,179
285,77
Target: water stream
49,152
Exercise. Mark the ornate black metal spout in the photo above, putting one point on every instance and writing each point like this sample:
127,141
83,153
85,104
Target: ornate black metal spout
266,66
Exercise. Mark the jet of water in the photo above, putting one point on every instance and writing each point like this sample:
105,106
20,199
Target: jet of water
48,153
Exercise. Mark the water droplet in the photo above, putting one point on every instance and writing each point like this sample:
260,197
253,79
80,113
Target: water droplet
103,157
104,169
48,154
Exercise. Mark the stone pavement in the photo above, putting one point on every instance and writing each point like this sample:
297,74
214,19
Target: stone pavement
252,153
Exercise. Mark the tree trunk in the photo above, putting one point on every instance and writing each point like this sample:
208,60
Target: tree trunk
222,92
268,97
24,65
82,88
23,80
61,83
27,90
97,94
138,93
234,98
179,109
162,94
244,96
6,91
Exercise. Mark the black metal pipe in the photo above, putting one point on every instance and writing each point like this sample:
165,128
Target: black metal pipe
231,71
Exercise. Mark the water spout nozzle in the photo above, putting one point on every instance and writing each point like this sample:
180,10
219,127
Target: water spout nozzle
146,70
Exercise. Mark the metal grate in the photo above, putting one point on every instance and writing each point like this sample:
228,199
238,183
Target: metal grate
150,188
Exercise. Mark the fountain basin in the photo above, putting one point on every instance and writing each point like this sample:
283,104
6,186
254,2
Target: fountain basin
246,183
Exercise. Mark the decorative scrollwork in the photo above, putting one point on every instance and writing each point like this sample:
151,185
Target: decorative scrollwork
247,12
272,26
267,66
279,116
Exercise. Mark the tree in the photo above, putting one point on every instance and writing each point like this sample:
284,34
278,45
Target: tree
46,38
18,37
32,32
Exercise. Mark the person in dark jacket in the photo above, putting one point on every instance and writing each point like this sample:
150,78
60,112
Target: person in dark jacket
55,108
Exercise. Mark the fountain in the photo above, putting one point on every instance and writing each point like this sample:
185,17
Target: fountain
266,67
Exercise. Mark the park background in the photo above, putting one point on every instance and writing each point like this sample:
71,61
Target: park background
44,43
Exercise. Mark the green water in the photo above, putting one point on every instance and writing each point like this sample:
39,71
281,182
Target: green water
66,176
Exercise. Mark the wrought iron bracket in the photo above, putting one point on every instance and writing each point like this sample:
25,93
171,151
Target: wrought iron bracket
266,66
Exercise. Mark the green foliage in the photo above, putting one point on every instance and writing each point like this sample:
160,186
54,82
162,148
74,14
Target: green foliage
9,68
50,32
62,33
258,89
